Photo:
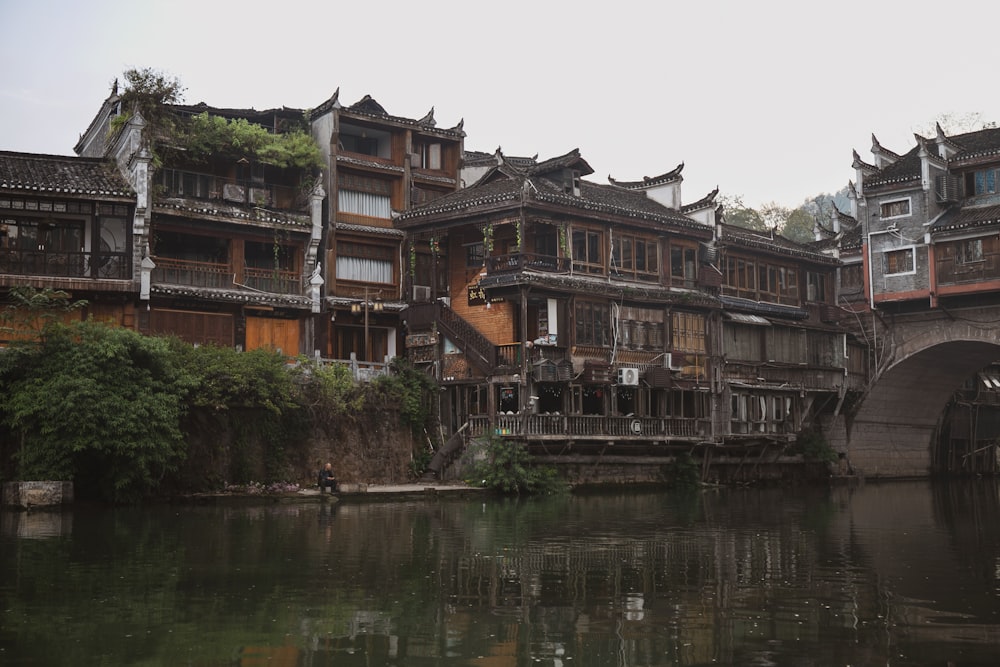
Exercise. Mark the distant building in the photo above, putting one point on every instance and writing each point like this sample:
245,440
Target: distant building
929,220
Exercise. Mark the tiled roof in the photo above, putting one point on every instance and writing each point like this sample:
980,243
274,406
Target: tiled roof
508,184
704,202
971,146
263,117
764,307
368,106
232,295
368,229
733,236
571,160
976,144
53,174
232,213
906,169
967,218
648,182
481,159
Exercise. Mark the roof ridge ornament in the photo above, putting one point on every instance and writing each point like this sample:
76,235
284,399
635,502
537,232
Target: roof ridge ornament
428,119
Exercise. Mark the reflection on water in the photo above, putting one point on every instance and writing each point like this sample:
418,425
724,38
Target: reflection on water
893,574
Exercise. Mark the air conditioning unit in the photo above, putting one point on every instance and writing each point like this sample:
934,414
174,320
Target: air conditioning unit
421,292
415,160
628,376
670,362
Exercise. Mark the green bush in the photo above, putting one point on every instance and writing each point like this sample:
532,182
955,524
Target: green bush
814,447
97,404
684,471
505,466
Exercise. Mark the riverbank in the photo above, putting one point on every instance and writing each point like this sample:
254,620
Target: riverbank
351,493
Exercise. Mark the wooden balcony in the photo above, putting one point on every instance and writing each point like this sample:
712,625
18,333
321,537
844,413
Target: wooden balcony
192,274
273,280
951,272
105,265
589,427
210,187
223,276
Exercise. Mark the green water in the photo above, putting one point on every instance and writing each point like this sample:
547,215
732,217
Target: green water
891,574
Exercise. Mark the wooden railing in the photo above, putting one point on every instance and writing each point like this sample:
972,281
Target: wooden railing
272,280
477,347
221,276
582,427
509,355
113,266
193,274
808,377
526,260
951,272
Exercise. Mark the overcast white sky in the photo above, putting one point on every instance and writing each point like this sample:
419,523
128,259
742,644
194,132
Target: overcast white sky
765,98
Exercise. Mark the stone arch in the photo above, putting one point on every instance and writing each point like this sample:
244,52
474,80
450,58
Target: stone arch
891,433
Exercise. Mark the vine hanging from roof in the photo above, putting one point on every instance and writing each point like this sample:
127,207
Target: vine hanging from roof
488,239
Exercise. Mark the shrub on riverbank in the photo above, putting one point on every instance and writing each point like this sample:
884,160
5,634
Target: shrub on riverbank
505,466
127,416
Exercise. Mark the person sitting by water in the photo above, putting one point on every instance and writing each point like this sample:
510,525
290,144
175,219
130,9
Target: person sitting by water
327,480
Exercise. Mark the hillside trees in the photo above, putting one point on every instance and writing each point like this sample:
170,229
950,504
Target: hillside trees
796,224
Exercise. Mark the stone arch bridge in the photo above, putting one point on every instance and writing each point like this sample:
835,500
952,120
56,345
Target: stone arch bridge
921,359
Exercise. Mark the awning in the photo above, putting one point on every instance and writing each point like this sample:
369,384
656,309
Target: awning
744,318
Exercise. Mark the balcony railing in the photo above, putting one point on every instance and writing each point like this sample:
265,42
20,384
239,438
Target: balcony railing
191,273
525,260
209,187
950,272
272,280
111,266
222,276
596,427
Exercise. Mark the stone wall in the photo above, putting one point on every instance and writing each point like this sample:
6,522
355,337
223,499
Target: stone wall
28,495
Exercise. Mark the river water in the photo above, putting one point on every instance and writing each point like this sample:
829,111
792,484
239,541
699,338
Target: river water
899,574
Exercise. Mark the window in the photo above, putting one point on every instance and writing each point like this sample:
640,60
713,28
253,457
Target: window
852,276
365,263
635,257
898,261
739,277
683,265
815,286
474,256
895,209
982,182
546,241
361,195
688,332
592,323
970,251
359,144
588,251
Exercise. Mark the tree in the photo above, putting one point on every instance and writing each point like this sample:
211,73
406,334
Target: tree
150,93
799,225
955,123
737,213
96,404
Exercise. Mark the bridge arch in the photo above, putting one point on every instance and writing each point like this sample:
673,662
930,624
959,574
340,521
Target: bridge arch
891,433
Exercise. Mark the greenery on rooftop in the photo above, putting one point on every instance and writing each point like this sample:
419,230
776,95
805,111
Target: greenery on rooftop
205,137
